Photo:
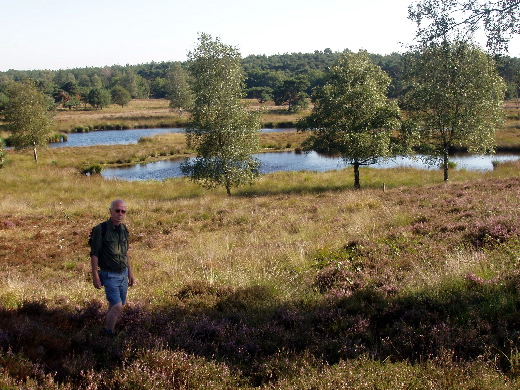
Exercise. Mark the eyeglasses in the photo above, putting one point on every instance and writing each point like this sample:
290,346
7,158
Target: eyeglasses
120,211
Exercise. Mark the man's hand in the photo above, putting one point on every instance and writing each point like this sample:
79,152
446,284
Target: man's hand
95,276
131,279
96,281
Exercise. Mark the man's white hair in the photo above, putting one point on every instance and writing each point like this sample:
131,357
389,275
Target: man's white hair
114,202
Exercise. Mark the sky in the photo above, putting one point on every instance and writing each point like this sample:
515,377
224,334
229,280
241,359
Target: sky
59,34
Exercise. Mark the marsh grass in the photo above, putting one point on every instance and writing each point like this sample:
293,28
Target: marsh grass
150,113
297,281
138,113
508,137
148,149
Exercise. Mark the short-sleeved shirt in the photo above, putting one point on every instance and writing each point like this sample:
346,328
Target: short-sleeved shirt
111,248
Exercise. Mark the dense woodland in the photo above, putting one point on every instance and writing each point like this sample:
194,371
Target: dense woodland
267,78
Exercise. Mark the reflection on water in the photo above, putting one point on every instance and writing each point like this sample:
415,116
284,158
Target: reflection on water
270,162
122,137
110,137
290,161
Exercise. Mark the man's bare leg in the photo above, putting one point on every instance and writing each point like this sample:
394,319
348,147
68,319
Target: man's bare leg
113,315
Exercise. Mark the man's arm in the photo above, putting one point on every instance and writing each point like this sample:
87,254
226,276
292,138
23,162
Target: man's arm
95,276
131,279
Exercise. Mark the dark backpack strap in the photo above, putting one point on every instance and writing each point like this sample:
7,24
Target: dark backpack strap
103,229
103,232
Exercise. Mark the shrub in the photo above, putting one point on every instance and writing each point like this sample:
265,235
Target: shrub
7,142
349,255
57,137
144,140
451,165
166,369
94,169
366,373
285,125
494,231
339,269
81,129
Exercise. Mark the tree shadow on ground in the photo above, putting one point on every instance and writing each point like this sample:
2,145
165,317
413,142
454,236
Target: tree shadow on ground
248,330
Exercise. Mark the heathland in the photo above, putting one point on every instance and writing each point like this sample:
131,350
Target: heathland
295,282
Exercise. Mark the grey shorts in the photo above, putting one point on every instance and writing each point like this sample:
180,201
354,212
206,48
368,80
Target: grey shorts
116,285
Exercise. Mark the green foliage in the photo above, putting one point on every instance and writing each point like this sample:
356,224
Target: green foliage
98,97
262,94
260,82
27,116
263,74
222,131
292,92
137,85
455,97
93,169
159,88
448,19
72,103
349,255
57,137
352,115
509,70
71,87
4,100
82,129
179,91
271,71
120,96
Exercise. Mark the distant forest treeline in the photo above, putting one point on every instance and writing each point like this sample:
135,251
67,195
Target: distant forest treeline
264,75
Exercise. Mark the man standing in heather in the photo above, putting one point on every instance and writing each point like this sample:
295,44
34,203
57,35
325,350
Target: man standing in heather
110,262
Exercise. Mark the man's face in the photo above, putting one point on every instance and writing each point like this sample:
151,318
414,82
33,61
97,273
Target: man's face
117,213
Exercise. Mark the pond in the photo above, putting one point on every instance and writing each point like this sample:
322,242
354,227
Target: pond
291,161
270,162
121,137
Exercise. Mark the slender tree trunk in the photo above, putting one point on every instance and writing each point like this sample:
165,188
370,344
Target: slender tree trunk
357,184
228,188
35,153
445,164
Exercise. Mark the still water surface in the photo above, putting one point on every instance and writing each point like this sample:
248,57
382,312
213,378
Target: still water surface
120,137
270,162
290,161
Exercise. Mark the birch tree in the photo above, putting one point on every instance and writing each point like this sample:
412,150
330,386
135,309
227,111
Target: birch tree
27,115
179,91
223,133
352,115
440,20
455,98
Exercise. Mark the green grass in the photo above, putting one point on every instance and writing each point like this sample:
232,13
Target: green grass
295,282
